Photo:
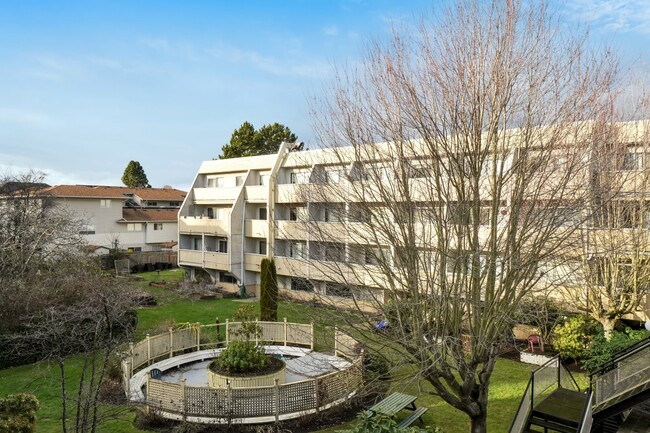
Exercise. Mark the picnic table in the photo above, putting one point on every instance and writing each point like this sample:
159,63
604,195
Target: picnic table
396,402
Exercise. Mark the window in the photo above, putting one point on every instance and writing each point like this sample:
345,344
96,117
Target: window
153,203
264,179
227,278
239,180
174,203
332,176
297,250
417,171
87,230
222,245
210,213
262,247
215,182
457,262
298,213
262,213
336,289
134,227
459,213
104,203
198,244
299,177
333,252
157,226
359,214
333,215
375,255
134,249
302,284
633,161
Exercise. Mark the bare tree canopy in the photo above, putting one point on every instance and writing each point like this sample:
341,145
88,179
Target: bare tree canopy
465,147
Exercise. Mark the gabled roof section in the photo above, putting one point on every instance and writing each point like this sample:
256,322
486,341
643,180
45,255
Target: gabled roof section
117,192
148,215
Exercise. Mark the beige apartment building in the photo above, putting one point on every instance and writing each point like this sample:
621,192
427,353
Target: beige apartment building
136,219
298,207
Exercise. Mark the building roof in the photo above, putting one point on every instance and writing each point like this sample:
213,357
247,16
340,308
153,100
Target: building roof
118,192
131,215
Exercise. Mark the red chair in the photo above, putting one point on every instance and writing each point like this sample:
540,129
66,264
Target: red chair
535,340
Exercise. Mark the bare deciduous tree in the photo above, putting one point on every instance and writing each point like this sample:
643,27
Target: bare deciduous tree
466,150
612,277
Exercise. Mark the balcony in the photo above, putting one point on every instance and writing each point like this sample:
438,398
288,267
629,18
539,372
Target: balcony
204,259
256,228
216,195
203,225
296,230
257,193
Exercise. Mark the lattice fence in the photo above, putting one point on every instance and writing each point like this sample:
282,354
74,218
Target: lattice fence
165,396
297,396
210,402
252,402
344,345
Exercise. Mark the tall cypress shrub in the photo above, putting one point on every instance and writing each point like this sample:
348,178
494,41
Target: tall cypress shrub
268,291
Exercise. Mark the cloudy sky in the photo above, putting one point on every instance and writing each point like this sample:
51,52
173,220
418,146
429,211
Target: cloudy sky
87,86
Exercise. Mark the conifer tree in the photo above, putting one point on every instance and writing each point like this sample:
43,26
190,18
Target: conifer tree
134,176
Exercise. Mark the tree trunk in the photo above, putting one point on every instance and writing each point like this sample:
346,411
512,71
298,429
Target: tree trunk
478,423
608,326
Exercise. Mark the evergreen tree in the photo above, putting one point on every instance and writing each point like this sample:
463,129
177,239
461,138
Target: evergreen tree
268,291
134,176
246,141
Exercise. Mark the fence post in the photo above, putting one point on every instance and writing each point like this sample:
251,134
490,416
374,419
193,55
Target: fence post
336,340
198,336
148,349
532,389
285,331
317,394
227,331
257,331
312,336
171,342
184,399
131,362
146,396
128,381
229,398
277,399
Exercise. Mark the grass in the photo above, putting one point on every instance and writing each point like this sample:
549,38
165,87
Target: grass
41,379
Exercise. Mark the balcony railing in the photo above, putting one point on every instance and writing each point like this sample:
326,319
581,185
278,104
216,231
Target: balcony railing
203,225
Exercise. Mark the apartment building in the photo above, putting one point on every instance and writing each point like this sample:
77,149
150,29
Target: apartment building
304,210
136,219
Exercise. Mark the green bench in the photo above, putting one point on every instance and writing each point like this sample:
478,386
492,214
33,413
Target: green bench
394,403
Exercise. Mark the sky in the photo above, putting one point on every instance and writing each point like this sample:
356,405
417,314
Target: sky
87,86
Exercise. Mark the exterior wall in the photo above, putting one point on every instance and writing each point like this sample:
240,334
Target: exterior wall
104,221
279,184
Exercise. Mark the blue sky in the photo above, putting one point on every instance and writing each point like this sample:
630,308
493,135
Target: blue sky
87,86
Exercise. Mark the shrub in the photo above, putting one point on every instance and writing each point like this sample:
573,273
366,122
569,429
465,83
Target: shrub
602,350
18,413
383,424
242,355
572,338
269,291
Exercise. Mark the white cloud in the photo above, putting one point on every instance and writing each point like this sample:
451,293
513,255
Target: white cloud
54,177
331,31
613,15
25,117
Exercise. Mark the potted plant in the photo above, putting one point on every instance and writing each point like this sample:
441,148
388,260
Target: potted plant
244,363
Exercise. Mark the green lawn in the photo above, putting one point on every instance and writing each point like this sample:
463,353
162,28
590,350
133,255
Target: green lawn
508,381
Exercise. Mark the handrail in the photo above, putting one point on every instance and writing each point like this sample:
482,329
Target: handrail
586,418
621,355
521,405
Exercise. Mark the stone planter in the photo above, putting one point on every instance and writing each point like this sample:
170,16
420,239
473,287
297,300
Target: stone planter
216,380
534,358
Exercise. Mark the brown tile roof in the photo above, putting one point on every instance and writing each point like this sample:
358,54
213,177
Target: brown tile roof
103,191
139,215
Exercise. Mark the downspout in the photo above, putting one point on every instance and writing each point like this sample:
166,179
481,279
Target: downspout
270,203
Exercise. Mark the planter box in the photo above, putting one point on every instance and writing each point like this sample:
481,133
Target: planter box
534,358
216,380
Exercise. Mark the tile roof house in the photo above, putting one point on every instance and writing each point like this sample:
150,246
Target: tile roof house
138,219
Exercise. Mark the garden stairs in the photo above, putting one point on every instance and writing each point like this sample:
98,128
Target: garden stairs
553,401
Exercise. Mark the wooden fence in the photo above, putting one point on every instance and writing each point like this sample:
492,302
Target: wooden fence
259,404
